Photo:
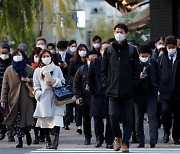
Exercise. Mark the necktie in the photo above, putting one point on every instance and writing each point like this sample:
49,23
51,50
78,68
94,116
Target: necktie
171,62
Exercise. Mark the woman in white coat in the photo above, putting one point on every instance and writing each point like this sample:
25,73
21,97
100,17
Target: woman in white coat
48,115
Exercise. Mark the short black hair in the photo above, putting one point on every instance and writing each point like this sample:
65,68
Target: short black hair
62,44
171,40
71,42
122,26
91,52
5,46
96,37
160,38
144,49
52,45
41,38
111,40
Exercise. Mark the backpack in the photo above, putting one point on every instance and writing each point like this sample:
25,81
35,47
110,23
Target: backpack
131,51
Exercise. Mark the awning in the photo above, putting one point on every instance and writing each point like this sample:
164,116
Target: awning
140,21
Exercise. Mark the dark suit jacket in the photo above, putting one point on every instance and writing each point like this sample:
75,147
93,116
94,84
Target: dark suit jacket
169,80
95,85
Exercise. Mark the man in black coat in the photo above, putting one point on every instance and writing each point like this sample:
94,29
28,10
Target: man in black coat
120,74
169,89
5,61
146,97
98,108
83,95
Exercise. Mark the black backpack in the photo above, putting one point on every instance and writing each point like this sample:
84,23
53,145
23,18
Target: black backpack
131,51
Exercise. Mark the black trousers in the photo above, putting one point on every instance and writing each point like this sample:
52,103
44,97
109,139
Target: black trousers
86,121
2,127
69,114
121,111
109,137
149,104
99,127
169,109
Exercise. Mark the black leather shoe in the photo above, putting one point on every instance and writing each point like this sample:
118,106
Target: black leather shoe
140,146
176,142
87,141
41,140
166,138
66,128
152,145
79,131
36,141
109,146
19,145
134,139
99,143
2,136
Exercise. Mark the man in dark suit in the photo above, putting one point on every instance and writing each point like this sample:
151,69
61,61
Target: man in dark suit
169,89
99,102
64,56
64,65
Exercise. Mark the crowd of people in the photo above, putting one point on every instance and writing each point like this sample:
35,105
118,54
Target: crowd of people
118,80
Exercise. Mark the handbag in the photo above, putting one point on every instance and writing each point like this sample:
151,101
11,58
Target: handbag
30,89
63,95
66,101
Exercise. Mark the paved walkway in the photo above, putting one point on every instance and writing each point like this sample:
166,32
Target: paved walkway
72,143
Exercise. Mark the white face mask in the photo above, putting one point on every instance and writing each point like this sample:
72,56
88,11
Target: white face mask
62,53
46,60
144,59
96,45
41,46
171,51
36,59
17,58
160,46
82,53
119,37
52,51
73,49
4,56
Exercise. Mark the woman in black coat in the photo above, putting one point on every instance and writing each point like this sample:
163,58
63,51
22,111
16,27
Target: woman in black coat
76,61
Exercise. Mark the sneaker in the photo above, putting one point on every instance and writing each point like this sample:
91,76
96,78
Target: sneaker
117,144
124,148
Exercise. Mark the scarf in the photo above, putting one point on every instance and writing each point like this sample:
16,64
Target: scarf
34,65
46,70
19,67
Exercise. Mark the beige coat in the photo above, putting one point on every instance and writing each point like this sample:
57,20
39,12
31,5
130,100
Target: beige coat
15,94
